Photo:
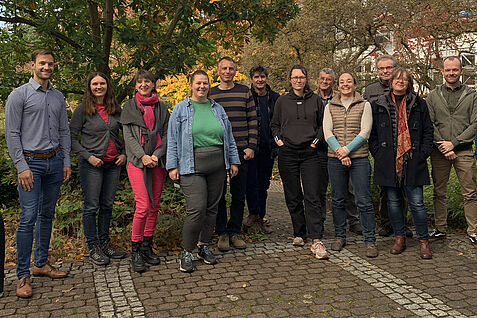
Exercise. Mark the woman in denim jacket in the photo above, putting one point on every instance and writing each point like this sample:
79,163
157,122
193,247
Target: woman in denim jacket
200,150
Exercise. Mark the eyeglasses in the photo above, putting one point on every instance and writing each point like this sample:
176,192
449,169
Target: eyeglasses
401,80
385,68
298,78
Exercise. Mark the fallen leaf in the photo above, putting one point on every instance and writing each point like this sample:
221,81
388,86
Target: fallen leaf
57,300
244,285
306,256
460,254
346,264
308,296
327,262
67,290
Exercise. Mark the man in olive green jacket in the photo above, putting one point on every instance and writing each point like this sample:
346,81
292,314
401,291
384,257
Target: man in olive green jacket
453,111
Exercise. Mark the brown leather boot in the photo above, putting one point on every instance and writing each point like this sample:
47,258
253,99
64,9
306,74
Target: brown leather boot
399,245
425,249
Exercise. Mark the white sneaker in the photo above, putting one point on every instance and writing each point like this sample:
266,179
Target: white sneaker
319,250
298,241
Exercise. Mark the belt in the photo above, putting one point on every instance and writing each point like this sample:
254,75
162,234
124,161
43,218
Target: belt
47,155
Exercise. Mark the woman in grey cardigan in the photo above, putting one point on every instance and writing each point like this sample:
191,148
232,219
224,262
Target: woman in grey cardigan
145,122
101,152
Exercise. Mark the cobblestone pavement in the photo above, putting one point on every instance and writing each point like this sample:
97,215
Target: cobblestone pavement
270,278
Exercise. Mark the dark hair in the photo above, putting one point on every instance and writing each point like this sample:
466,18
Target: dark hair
451,58
144,74
398,74
199,72
227,58
89,100
304,71
352,76
41,52
258,69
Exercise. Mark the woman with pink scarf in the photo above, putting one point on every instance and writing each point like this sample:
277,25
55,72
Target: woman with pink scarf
145,122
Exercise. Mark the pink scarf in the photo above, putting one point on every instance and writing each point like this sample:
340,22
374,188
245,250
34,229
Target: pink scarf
146,105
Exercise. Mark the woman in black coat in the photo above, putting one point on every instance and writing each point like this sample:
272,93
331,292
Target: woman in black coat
401,141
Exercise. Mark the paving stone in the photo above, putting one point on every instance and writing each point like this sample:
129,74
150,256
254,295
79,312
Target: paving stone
269,279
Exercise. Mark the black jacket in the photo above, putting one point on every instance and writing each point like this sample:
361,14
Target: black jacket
298,121
373,90
272,97
382,145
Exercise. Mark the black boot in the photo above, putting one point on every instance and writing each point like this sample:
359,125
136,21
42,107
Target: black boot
147,253
137,261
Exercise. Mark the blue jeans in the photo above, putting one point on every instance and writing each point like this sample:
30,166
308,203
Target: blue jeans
415,199
258,181
238,188
37,211
360,174
99,186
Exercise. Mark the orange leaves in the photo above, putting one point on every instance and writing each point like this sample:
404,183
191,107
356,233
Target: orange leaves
176,87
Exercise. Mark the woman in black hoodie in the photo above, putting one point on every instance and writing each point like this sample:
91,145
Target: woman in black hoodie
297,128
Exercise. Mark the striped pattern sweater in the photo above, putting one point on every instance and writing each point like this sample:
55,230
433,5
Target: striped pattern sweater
240,108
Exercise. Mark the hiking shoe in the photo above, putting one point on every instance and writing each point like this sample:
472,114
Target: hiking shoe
265,227
338,244
298,241
112,252
371,251
473,239
319,250
186,264
206,255
223,244
436,234
356,228
250,220
238,242
97,256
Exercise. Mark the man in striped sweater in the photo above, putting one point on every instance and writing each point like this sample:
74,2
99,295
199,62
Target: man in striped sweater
239,105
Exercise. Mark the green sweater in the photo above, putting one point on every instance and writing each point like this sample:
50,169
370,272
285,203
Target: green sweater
455,123
206,129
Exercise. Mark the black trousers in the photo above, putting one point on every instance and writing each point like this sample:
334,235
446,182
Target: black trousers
302,186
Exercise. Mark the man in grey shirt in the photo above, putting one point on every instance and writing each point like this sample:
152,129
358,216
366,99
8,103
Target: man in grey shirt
38,140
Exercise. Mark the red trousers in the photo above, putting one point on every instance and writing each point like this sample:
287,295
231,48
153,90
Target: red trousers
145,216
